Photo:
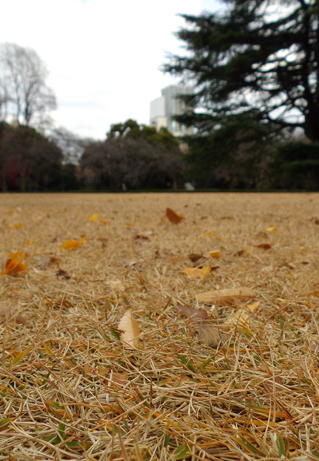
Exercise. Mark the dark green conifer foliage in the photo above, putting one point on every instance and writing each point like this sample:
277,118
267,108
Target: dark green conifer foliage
256,57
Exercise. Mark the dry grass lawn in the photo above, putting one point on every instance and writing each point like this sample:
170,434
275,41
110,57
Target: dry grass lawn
72,389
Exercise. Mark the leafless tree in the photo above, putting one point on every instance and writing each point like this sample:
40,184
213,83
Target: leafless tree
25,95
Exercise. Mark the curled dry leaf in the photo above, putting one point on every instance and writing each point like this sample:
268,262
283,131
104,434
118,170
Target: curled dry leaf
199,273
194,257
63,274
193,312
224,297
131,330
212,335
214,254
9,314
263,246
72,244
13,267
172,216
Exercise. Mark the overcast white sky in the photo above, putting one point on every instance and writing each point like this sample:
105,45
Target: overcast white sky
103,56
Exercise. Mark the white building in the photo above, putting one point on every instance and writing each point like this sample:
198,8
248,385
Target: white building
164,108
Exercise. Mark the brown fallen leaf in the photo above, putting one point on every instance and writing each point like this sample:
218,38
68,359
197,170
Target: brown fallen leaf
193,312
262,235
120,378
131,330
239,253
264,246
316,221
270,384
46,261
194,257
172,216
224,297
63,274
9,314
212,335
141,237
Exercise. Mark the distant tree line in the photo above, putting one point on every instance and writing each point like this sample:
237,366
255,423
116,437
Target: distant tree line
136,157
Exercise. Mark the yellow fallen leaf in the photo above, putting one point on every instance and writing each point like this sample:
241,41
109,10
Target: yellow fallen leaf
18,254
208,234
13,266
129,224
214,254
28,242
242,315
104,221
72,244
94,217
18,225
10,211
224,297
131,330
11,225
181,215
271,229
198,273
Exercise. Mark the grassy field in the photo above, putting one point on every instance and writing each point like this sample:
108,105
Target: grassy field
73,388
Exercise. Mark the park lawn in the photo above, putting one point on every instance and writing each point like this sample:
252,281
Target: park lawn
73,389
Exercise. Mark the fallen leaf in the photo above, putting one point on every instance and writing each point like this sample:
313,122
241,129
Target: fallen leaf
72,244
214,254
104,221
94,217
239,253
224,297
13,266
181,215
242,315
262,235
63,274
316,221
9,314
208,234
28,242
271,229
131,330
193,312
172,216
129,224
46,261
198,273
120,378
270,384
212,335
18,225
194,257
141,237
264,246
18,254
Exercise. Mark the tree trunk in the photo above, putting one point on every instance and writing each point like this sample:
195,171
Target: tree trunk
4,179
312,124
